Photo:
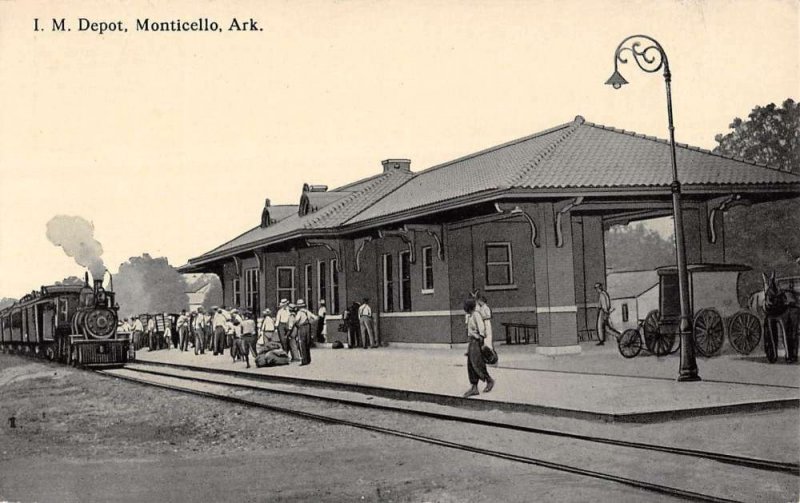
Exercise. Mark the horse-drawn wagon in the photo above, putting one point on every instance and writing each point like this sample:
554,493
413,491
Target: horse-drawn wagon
715,312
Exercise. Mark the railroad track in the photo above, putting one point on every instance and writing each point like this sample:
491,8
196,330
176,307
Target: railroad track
197,382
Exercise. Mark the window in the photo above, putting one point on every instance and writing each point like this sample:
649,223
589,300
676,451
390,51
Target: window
405,281
334,287
285,283
322,287
625,312
498,264
388,284
63,310
309,282
427,269
237,292
251,288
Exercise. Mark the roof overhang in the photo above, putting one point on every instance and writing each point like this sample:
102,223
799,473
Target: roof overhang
696,192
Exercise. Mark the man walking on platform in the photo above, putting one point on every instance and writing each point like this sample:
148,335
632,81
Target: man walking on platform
603,310
367,325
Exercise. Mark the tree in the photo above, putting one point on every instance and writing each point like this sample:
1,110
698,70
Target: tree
765,236
71,281
149,285
214,295
770,136
634,247
6,302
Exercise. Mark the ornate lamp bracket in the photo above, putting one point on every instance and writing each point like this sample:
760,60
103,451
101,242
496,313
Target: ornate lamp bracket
237,266
434,231
516,210
405,236
559,216
721,206
362,242
329,247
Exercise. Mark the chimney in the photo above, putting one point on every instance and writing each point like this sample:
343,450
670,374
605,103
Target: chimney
265,220
396,165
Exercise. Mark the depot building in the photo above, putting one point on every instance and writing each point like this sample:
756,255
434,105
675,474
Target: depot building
522,222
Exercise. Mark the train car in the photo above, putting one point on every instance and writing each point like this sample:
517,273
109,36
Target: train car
74,324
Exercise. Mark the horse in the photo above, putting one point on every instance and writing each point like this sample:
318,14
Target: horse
782,310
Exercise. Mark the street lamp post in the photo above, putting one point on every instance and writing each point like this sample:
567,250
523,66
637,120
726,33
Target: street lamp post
650,56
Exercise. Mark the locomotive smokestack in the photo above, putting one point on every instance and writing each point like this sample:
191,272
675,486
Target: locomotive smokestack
86,278
98,284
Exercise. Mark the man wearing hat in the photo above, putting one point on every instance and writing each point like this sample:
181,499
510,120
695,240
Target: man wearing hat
603,311
219,322
282,320
303,322
291,333
367,326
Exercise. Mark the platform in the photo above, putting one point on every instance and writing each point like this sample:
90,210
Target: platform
596,384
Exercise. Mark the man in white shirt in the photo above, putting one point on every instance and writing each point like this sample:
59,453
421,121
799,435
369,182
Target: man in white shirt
199,331
303,320
282,320
267,329
137,329
367,325
218,322
183,330
151,333
604,309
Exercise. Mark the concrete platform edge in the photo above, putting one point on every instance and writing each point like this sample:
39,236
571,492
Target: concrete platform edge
480,404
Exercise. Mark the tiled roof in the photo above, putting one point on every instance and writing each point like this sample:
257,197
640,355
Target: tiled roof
345,204
281,211
577,154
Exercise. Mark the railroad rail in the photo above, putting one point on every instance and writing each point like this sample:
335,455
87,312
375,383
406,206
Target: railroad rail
183,383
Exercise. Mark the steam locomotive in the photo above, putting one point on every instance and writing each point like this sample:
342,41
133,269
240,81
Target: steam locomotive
71,324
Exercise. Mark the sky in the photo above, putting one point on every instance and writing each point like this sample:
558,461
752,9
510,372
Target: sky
170,142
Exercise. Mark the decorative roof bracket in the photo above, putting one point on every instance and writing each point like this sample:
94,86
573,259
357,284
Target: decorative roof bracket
721,206
566,207
327,245
405,236
435,231
361,243
516,210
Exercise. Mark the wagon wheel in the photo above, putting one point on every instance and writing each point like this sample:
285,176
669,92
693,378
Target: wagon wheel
629,343
744,332
709,331
651,327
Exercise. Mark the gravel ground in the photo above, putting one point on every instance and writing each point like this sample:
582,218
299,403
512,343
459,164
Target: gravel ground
85,437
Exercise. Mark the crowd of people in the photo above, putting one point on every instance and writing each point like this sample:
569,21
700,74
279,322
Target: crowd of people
289,335
286,338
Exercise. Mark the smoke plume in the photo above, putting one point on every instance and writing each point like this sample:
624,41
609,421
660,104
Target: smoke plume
76,236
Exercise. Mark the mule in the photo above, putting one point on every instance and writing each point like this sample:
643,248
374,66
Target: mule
782,315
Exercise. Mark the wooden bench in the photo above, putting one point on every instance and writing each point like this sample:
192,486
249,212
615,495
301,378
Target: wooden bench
521,333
